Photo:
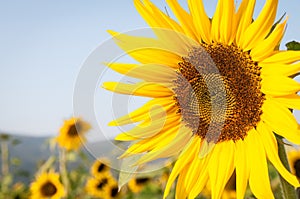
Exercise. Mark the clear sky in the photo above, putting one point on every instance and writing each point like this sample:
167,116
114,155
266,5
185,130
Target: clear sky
44,43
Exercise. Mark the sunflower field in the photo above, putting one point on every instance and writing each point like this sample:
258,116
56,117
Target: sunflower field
70,173
56,177
220,118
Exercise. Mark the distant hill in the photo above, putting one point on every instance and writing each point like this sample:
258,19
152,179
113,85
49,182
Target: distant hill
31,150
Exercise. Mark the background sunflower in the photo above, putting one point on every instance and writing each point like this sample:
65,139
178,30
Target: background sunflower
47,185
71,135
112,191
100,167
294,162
137,184
103,186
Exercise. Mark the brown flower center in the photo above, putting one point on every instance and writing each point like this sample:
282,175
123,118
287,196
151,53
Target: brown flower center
218,92
102,183
114,192
141,180
101,167
48,189
74,130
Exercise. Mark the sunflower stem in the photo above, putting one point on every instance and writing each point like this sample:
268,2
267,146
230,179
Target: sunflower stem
63,170
288,190
4,158
4,186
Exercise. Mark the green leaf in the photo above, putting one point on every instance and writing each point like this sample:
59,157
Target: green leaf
15,142
275,24
293,45
15,161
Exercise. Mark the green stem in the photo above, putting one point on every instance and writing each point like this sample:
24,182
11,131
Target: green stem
4,165
63,170
288,190
47,164
4,158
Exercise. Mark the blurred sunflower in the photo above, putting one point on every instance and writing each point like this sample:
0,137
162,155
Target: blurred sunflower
229,194
220,89
99,167
294,161
136,185
230,188
96,186
71,135
112,191
47,185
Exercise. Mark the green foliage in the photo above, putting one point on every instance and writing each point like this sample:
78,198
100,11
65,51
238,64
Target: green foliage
77,164
293,45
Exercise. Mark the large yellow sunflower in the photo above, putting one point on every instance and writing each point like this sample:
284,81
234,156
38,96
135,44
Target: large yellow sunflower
71,135
219,88
47,185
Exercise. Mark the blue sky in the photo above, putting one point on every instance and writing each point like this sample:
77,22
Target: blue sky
44,44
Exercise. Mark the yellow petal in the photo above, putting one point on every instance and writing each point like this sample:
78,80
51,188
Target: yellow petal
149,127
227,29
283,57
146,89
174,146
271,149
244,17
143,112
144,130
259,29
280,120
274,69
147,72
242,9
154,17
149,50
259,177
267,46
279,85
242,168
193,171
184,18
181,192
290,101
216,21
160,22
221,167
201,181
185,158
157,142
200,20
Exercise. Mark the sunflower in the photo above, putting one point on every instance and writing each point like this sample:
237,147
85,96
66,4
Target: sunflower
229,191
71,134
136,185
47,185
112,191
96,186
294,161
99,167
229,194
218,88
